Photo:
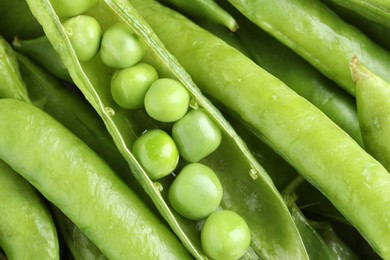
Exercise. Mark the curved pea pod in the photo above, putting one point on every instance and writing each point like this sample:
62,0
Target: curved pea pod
356,183
11,83
311,29
27,230
71,176
248,190
205,9
372,98
42,52
300,76
80,246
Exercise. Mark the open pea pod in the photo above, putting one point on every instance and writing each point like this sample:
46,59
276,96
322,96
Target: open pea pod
247,188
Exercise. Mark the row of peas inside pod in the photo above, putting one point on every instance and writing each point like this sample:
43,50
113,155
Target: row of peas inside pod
195,192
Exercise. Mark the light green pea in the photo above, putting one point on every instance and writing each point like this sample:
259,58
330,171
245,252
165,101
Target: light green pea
196,192
67,8
84,33
129,86
167,100
196,135
157,153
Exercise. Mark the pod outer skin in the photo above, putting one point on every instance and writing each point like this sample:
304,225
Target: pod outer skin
27,229
356,183
70,175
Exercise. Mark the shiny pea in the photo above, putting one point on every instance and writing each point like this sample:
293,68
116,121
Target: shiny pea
67,8
120,47
129,86
85,34
196,192
196,135
167,100
225,235
156,152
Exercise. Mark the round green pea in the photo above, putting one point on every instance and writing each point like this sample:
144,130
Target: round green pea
68,8
225,235
167,100
156,152
120,47
84,33
196,192
196,135
129,86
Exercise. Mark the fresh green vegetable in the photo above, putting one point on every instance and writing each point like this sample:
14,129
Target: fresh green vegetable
225,235
71,176
167,100
196,192
318,35
157,153
120,47
196,135
66,8
324,154
84,34
27,230
129,86
372,98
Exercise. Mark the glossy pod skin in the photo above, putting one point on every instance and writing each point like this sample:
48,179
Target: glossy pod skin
71,176
27,230
320,151
372,98
11,83
232,161
314,34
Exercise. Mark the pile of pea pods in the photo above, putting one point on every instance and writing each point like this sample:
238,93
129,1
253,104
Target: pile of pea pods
205,129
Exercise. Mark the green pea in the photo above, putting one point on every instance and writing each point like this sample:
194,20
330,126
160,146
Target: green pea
167,100
196,135
67,8
196,192
225,235
129,86
120,47
84,33
156,152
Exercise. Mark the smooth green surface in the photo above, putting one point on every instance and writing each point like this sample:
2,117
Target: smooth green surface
66,8
196,135
27,230
196,192
225,235
167,100
318,35
372,98
71,176
157,153
85,34
324,154
129,86
120,47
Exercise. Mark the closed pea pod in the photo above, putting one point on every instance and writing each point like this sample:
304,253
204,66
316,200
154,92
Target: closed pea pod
82,185
232,162
287,122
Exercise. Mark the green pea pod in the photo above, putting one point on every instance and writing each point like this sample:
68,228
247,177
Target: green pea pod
27,230
375,10
80,246
372,95
11,83
40,51
16,20
244,181
205,9
318,35
71,176
301,77
325,155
